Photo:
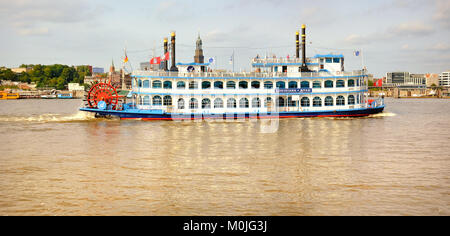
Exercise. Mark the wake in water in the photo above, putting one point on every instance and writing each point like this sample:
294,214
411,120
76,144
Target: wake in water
383,114
44,118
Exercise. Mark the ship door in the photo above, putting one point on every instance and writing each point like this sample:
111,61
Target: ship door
284,69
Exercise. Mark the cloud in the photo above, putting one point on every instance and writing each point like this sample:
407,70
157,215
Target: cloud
440,47
442,13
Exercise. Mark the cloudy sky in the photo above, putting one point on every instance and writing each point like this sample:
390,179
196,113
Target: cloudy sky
394,35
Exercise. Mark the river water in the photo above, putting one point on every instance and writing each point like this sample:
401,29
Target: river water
55,160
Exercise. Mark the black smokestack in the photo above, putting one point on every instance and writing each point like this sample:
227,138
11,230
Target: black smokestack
304,68
166,49
297,45
174,67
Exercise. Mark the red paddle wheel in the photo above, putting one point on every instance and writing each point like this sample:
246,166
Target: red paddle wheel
103,91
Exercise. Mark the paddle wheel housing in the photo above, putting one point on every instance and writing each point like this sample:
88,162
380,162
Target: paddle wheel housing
103,91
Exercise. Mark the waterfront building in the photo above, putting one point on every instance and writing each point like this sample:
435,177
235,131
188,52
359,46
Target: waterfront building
407,79
21,70
444,79
432,79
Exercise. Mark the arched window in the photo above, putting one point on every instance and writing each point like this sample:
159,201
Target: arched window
140,83
329,101
304,84
193,85
146,84
329,84
281,84
231,85
180,103
317,102
167,100
268,102
291,102
340,101
231,103
268,85
317,84
243,103
218,85
280,102
206,85
157,101
157,84
167,85
218,103
181,85
304,102
256,102
243,84
292,84
255,84
146,100
351,100
340,84
193,103
351,83
206,103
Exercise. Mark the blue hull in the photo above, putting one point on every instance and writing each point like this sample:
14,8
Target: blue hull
159,115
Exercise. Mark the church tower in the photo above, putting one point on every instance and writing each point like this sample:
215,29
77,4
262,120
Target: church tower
199,58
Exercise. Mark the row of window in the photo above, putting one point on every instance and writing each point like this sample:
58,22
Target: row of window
157,84
256,102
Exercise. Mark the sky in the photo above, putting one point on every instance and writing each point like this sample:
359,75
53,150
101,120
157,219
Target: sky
393,35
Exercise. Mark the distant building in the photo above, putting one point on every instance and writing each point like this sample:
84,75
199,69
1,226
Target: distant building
432,79
98,70
20,70
444,79
405,79
75,87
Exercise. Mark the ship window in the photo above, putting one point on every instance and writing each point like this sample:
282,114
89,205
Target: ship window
357,99
340,84
255,84
167,101
193,103
351,100
243,84
231,85
140,83
292,84
329,101
157,101
317,102
304,102
218,103
206,85
268,102
304,84
218,85
317,84
167,84
180,103
281,85
351,83
181,85
340,101
280,102
231,103
291,103
284,69
357,82
193,85
157,84
329,84
146,100
268,85
321,60
336,60
243,103
328,60
256,102
146,84
206,103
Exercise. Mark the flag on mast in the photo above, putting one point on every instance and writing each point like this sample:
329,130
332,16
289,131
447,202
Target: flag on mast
357,53
125,59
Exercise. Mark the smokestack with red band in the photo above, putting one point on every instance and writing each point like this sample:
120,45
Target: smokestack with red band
297,45
174,67
166,49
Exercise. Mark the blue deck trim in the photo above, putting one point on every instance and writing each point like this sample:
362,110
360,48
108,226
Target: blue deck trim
245,94
328,55
282,64
251,78
192,64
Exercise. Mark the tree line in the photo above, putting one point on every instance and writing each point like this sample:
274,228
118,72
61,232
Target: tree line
48,76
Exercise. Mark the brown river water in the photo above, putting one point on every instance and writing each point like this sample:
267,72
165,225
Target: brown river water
55,160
